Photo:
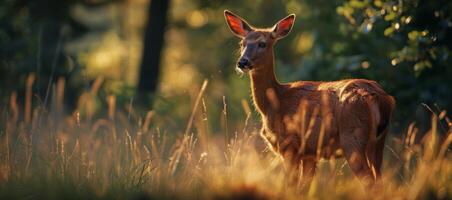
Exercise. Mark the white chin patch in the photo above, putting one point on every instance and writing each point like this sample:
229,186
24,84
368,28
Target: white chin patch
242,70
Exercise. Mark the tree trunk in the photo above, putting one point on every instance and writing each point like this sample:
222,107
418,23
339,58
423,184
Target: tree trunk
153,43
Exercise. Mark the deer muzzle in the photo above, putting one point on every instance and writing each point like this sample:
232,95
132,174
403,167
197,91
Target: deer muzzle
244,64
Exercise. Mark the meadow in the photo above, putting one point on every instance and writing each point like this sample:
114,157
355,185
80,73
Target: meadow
47,153
105,99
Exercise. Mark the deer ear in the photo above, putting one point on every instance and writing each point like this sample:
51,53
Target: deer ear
283,27
238,26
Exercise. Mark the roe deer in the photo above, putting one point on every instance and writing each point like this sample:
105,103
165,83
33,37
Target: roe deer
306,120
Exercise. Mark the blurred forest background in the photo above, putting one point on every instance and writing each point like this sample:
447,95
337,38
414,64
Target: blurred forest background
155,54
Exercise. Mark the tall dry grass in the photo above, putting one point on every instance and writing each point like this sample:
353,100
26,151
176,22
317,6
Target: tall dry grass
47,154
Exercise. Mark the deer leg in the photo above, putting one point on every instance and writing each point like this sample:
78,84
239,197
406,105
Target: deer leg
299,173
308,172
355,148
291,167
379,152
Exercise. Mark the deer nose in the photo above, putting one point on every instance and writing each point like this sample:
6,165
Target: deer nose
243,62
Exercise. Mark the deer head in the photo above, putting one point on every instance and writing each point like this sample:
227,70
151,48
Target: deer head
256,51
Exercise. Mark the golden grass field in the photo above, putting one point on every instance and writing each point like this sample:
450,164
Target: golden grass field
47,154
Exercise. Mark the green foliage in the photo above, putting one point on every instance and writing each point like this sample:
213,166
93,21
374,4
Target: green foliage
416,37
421,29
32,38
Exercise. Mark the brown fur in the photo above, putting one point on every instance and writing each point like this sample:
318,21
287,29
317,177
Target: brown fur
304,121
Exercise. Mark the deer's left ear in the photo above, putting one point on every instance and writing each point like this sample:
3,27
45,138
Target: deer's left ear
283,27
238,26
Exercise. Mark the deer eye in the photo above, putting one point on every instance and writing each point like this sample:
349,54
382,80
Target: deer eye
261,45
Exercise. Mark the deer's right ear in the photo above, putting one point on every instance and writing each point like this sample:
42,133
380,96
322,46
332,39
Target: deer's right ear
283,27
238,26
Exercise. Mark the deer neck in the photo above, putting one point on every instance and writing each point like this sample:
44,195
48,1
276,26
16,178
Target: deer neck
264,86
